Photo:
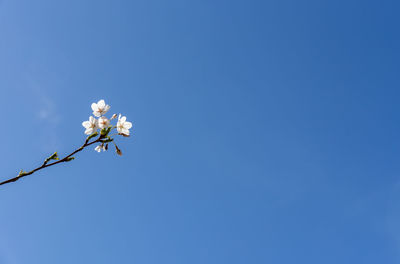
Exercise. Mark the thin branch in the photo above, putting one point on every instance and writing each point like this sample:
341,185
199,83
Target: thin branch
46,164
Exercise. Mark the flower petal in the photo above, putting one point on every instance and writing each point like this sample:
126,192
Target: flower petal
101,103
89,131
127,125
123,119
125,131
86,124
96,113
95,107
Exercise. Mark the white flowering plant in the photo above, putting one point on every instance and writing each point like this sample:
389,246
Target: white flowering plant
99,131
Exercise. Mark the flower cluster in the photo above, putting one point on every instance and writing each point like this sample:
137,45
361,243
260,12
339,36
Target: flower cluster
103,126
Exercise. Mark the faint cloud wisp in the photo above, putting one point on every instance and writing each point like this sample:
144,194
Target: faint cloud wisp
47,115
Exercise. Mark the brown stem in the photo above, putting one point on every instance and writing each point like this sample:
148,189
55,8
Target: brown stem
45,164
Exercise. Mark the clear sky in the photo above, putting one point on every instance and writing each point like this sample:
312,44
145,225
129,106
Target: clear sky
264,131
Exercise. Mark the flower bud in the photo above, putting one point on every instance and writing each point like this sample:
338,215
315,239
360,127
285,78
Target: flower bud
21,173
54,156
119,152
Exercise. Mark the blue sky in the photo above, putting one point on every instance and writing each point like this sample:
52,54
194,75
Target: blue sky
264,131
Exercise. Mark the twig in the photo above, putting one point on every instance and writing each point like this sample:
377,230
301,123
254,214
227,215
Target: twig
46,164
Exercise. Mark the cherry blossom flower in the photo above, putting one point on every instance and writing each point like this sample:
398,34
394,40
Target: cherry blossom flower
123,126
100,108
103,122
100,148
91,125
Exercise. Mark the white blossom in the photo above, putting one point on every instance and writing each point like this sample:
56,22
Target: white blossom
100,108
123,126
103,122
100,148
90,125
